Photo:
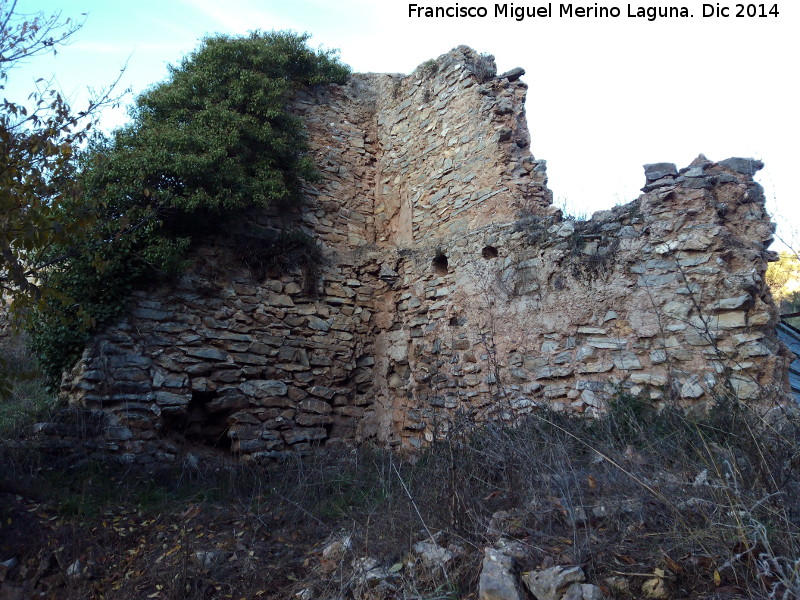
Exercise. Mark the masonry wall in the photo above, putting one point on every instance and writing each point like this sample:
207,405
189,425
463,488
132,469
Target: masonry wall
662,298
449,286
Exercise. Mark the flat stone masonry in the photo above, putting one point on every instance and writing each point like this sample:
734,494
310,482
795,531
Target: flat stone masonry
450,287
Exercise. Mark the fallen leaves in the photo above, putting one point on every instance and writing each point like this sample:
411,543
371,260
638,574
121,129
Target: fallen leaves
672,565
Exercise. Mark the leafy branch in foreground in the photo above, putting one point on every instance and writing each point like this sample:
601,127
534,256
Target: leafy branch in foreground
783,278
39,139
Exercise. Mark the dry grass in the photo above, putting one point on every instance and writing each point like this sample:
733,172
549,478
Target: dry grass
710,502
26,396
713,502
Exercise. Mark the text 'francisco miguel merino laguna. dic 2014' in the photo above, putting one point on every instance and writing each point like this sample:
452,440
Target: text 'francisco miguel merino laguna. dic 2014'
651,13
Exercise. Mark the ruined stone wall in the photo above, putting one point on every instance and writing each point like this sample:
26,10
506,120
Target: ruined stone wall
662,298
449,286
249,362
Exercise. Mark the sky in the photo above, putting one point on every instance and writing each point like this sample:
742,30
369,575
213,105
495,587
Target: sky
606,95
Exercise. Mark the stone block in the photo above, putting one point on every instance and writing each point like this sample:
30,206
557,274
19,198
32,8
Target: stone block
497,579
744,301
553,372
585,329
752,349
248,359
263,388
745,166
724,320
151,314
318,324
658,356
656,280
221,375
745,388
655,171
208,353
315,406
304,434
597,367
626,361
608,343
691,388
164,398
313,420
550,346
648,379
552,583
280,300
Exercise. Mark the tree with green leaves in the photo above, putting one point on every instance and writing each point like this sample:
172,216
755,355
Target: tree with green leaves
213,140
783,279
37,142
39,138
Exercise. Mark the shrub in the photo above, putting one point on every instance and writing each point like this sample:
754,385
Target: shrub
277,252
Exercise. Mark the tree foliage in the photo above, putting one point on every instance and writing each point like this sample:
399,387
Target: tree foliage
783,278
216,135
213,140
38,141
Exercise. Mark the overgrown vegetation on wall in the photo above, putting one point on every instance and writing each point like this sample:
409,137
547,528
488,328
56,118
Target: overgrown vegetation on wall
212,141
26,398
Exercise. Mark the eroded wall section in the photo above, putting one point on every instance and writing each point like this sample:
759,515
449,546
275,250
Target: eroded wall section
454,150
663,298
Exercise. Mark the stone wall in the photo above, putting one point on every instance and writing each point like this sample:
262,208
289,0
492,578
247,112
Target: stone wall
449,286
663,297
